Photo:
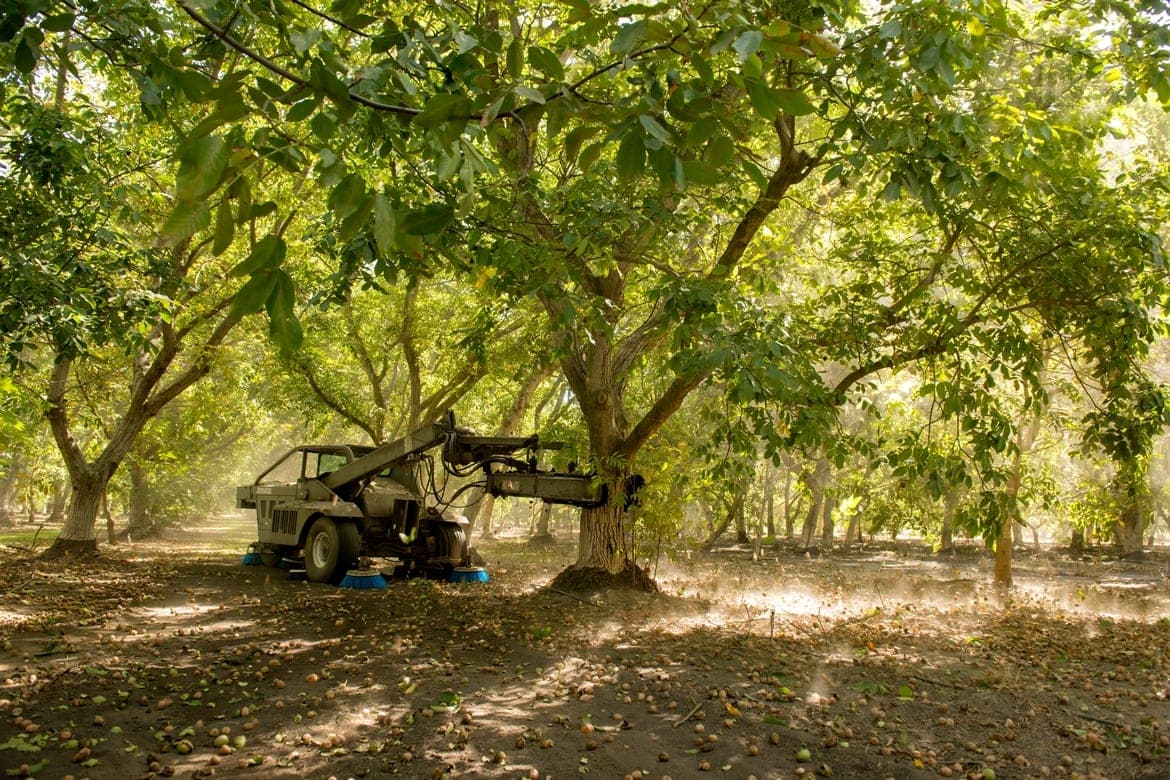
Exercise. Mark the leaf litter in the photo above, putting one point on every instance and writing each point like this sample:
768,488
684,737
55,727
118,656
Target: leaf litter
170,659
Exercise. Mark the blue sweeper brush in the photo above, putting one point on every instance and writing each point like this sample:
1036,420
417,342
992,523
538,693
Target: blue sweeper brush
252,557
363,579
468,574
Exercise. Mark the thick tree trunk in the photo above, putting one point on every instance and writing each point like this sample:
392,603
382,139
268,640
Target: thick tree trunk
946,541
741,534
479,517
816,499
602,542
1076,545
716,530
1025,438
543,515
757,540
77,537
1130,527
1003,557
816,482
789,510
139,523
827,522
853,529
768,510
58,500
7,493
111,531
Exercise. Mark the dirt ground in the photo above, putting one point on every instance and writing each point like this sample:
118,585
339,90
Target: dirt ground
170,658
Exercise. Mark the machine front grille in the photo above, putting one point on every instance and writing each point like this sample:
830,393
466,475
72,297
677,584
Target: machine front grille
284,521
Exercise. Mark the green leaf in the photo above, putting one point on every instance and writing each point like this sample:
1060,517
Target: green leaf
26,55
530,94
384,225
228,111
628,37
516,58
254,294
631,157
747,44
701,174
356,219
301,110
889,30
575,138
323,126
428,220
195,85
546,62
184,221
655,128
794,102
57,23
347,195
720,151
202,162
303,40
928,59
268,253
225,228
326,81
283,325
443,107
590,155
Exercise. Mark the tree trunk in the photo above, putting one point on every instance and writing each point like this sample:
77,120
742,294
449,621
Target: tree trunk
7,493
816,482
479,517
111,532
58,501
816,499
77,538
1003,556
789,513
758,540
946,541
139,523
734,512
853,529
1025,438
1130,527
543,514
827,522
1076,545
741,534
602,542
1132,488
769,507
149,394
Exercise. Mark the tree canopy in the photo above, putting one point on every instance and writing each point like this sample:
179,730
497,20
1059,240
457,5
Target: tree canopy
783,201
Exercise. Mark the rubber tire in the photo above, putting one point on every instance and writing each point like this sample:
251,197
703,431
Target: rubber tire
331,548
450,543
271,556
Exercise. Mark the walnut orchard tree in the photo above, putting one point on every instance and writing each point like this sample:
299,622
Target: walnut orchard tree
650,177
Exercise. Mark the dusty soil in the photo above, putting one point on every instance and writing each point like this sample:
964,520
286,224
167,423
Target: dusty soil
861,664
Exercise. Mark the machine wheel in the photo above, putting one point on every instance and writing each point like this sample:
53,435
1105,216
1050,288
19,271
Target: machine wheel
450,544
330,549
270,556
